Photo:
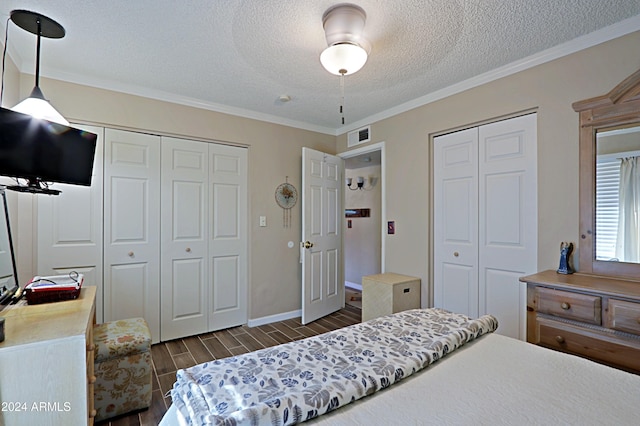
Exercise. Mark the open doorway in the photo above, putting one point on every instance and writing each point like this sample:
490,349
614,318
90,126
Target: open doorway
364,234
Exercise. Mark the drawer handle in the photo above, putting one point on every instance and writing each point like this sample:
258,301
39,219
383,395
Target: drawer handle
91,348
565,306
92,380
130,254
559,339
93,413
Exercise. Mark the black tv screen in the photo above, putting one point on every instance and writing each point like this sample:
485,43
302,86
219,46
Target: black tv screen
40,150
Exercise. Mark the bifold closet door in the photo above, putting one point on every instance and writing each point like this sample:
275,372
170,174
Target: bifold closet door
132,227
485,220
456,222
184,230
70,228
227,236
508,220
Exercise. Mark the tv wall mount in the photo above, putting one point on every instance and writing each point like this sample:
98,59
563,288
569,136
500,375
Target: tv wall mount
35,186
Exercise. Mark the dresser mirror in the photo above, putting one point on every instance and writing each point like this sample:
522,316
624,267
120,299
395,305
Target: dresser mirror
610,181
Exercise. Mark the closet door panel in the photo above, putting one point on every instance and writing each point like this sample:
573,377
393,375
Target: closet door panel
226,270
132,227
129,283
70,228
228,236
501,295
508,219
456,222
184,270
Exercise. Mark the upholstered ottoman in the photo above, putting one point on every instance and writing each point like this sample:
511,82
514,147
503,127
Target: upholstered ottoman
122,367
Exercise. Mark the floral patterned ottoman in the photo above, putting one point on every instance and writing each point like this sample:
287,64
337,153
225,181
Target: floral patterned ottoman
122,367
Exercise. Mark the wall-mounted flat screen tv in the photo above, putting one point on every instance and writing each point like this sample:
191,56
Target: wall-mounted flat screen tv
41,151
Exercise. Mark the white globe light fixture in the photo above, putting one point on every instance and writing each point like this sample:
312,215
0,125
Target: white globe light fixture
347,52
343,58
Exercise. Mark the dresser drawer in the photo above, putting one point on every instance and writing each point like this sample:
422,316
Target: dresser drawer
624,316
574,306
602,347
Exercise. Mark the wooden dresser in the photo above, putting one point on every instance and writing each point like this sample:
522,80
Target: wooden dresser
586,315
46,363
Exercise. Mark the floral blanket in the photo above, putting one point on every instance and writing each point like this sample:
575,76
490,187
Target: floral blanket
297,381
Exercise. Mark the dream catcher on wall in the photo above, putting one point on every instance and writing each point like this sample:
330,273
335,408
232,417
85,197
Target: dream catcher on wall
286,197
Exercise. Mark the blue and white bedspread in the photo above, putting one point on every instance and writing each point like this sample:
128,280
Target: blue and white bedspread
298,381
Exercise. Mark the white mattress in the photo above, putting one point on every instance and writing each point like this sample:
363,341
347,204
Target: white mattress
497,380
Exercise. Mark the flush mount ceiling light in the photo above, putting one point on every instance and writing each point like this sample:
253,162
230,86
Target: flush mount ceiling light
348,50
36,105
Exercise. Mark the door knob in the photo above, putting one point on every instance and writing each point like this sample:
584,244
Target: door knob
307,244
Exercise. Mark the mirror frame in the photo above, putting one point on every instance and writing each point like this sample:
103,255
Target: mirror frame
621,106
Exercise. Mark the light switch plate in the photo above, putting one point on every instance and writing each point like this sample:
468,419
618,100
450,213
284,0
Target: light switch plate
263,221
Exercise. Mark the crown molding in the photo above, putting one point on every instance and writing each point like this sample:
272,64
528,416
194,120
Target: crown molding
163,96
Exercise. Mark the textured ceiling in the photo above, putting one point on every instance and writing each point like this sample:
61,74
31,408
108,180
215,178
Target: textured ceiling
240,56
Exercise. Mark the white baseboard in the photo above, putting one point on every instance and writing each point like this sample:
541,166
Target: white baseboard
354,286
274,318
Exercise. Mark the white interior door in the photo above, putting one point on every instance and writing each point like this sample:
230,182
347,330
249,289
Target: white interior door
70,228
322,212
184,229
132,228
227,236
456,222
508,220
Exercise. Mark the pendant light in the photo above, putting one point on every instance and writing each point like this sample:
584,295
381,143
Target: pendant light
36,105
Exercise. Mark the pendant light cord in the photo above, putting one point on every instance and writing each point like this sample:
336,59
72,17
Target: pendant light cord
342,96
4,54
38,51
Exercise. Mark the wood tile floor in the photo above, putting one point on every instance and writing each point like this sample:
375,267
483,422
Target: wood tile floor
168,357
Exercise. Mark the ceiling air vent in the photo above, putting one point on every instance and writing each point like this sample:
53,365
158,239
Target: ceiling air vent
359,136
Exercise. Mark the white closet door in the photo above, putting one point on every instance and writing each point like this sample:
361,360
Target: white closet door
227,236
70,228
508,220
184,226
132,228
485,220
456,222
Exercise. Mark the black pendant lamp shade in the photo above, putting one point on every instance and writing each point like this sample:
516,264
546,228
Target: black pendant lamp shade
42,26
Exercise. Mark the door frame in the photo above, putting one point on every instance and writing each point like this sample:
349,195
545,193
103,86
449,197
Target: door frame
379,146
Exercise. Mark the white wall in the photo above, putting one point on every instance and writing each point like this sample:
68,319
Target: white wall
363,240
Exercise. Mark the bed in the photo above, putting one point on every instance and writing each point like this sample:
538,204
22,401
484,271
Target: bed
447,369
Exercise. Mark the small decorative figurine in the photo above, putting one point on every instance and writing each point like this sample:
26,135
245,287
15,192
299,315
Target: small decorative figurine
565,258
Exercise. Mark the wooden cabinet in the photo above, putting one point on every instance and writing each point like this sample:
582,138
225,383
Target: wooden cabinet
46,363
586,315
388,293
